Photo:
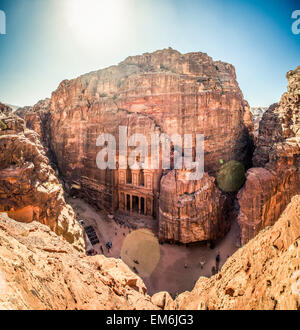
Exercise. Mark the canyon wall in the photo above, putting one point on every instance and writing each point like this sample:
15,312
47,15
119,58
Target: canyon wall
29,189
275,178
262,275
162,92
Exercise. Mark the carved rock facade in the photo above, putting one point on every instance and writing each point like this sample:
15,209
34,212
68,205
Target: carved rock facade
162,92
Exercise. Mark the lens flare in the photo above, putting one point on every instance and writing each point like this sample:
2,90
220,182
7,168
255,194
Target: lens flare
141,252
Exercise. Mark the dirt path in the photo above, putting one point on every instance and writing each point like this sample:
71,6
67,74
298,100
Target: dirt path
178,268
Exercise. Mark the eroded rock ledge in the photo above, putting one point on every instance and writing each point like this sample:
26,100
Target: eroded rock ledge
40,270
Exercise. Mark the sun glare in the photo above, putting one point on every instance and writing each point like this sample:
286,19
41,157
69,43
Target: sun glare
94,20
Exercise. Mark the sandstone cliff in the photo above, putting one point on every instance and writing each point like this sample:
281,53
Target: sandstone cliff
5,109
40,270
29,189
36,118
264,274
162,92
276,177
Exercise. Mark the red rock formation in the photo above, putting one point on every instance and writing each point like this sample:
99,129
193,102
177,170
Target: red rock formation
276,178
262,275
39,270
5,110
36,118
29,190
191,211
162,92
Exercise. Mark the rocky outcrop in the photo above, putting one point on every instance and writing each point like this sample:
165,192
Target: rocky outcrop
5,109
162,92
276,177
36,118
29,189
191,211
281,121
40,270
264,274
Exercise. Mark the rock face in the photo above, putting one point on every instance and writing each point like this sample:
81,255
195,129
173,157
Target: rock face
5,109
162,92
264,274
39,270
36,118
276,177
191,211
257,114
29,189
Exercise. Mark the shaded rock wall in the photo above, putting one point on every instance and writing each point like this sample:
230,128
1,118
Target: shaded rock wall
276,177
29,189
264,274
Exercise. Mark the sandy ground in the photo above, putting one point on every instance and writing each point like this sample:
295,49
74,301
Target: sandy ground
175,270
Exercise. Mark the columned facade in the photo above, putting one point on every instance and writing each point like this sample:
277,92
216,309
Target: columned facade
136,195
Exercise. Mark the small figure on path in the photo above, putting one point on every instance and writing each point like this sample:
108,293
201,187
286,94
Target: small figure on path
218,258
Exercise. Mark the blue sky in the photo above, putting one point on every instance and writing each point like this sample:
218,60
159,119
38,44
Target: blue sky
48,41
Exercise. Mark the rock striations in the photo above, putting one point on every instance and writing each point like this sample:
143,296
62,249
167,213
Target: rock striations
162,92
276,177
40,270
191,211
264,274
29,189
